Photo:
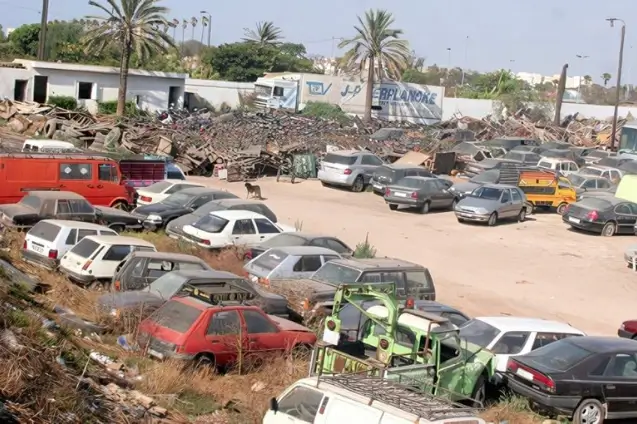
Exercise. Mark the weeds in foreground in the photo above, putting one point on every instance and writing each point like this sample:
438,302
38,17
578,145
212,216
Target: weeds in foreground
365,249
298,225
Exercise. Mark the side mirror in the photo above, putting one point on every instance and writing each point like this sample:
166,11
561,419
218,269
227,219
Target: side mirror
274,405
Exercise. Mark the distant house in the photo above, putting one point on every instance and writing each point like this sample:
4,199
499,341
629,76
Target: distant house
37,81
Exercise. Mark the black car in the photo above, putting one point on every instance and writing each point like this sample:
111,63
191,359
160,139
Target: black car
300,239
606,215
162,289
39,205
175,227
157,215
588,379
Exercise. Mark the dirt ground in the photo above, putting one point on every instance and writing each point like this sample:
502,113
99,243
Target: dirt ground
539,268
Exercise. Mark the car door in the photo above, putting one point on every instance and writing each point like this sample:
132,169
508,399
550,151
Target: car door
505,209
306,266
614,175
225,337
265,229
573,167
445,197
517,200
244,232
625,217
131,277
369,163
620,385
264,337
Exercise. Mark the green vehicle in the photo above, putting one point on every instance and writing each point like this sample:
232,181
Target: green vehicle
402,344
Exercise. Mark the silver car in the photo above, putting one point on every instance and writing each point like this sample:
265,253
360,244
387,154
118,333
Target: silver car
589,184
288,262
348,168
492,203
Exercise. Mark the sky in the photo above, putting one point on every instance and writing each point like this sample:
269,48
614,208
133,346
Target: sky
534,36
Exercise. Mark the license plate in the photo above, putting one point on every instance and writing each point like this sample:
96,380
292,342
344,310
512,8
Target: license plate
156,354
37,248
524,374
575,220
399,194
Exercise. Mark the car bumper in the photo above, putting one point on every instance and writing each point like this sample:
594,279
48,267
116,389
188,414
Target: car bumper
559,405
584,225
408,201
625,334
337,179
172,234
472,216
151,226
78,278
377,187
37,259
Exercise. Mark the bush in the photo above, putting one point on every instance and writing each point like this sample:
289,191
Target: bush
365,250
110,108
325,111
64,102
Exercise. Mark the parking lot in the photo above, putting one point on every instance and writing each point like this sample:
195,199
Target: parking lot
538,268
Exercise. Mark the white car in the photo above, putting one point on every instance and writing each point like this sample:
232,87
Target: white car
157,192
48,240
92,262
511,336
563,166
232,227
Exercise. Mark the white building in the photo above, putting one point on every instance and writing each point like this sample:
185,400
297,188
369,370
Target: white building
37,81
532,79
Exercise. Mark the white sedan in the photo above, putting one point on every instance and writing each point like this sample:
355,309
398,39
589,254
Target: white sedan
159,191
511,336
232,227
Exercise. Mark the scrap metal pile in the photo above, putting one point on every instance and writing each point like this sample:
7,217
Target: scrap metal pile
258,143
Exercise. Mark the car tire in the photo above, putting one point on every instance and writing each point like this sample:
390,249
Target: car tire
118,228
561,208
522,215
205,360
609,229
424,209
324,184
586,412
359,184
479,392
393,207
100,285
493,220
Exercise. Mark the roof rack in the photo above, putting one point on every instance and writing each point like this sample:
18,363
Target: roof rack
401,396
217,293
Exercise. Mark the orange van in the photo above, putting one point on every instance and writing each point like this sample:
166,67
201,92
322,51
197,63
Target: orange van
97,178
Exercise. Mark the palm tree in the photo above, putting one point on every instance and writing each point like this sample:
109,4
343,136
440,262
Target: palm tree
130,25
606,77
588,79
376,45
193,22
265,33
204,24
174,24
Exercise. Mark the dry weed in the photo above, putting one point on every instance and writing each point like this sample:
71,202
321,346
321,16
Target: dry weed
515,410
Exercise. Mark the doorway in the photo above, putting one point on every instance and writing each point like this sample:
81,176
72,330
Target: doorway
20,90
40,88
174,93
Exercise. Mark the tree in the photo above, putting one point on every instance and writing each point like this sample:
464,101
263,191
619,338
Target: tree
588,79
25,39
193,22
376,45
606,77
133,26
265,33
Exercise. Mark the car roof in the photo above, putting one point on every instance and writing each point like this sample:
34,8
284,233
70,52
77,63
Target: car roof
236,214
348,152
304,250
76,224
601,344
599,167
555,160
50,194
306,236
375,263
432,305
167,256
134,241
403,166
211,273
172,181
200,190
528,324
417,177
499,186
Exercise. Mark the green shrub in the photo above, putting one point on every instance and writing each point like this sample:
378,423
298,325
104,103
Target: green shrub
365,250
110,108
64,102
325,111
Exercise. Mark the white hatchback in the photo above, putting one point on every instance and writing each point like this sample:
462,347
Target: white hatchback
232,227
92,262
157,192
50,239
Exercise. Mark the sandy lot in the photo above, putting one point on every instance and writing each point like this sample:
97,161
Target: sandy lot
538,268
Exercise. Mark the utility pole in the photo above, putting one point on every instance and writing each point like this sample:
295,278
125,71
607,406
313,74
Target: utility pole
43,24
559,97
619,77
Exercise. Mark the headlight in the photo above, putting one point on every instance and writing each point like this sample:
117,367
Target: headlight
153,218
482,211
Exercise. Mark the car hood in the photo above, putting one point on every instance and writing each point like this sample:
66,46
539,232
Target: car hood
16,210
183,220
114,212
466,187
476,202
159,209
286,228
287,325
128,299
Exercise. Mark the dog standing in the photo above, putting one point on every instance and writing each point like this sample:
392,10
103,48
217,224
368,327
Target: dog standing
254,191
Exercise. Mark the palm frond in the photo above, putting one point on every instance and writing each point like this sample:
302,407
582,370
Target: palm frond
264,33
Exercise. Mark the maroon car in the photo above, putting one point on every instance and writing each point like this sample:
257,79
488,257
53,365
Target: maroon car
628,329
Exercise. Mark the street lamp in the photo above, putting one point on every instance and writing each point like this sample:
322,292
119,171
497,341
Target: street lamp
466,54
203,12
579,79
619,77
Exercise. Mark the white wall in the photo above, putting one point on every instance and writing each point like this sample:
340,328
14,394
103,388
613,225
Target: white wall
8,76
216,93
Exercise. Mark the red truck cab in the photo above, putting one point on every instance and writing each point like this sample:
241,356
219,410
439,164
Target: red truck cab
210,323
628,329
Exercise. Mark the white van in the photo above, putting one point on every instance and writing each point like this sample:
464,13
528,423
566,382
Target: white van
49,146
358,399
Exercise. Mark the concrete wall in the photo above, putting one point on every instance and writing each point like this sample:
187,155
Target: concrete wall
8,76
205,93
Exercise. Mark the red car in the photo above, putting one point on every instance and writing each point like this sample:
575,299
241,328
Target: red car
204,325
628,329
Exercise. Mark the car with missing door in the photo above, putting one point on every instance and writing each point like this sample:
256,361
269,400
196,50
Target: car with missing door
420,193
349,168
491,203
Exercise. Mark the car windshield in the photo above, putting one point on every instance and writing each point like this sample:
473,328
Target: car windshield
179,199
514,156
270,259
590,171
557,356
335,273
158,187
339,159
176,316
410,182
490,176
597,154
211,223
30,202
167,285
284,240
577,180
478,332
488,193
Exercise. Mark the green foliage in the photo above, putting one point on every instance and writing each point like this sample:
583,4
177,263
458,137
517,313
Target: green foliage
25,39
110,108
365,250
64,102
264,33
325,111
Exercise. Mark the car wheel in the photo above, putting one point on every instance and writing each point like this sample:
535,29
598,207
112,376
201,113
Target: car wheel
590,411
424,208
479,394
358,185
493,219
522,215
460,220
117,228
393,207
323,183
609,229
207,360
561,208
120,205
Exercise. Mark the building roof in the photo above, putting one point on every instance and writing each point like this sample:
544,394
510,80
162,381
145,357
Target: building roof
74,67
529,324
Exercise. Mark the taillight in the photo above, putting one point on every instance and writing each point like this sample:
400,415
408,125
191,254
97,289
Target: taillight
117,285
409,304
146,199
347,171
531,374
414,195
248,255
24,245
86,265
387,192
206,242
592,216
53,254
